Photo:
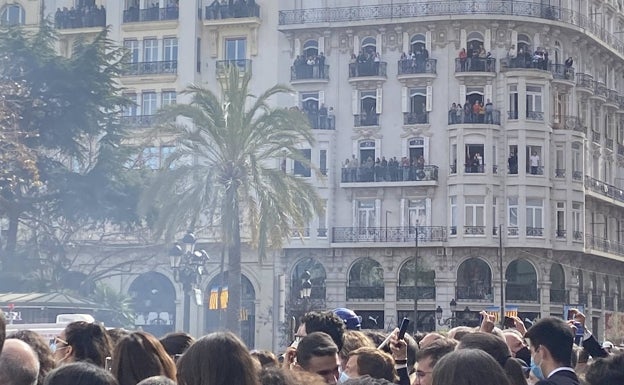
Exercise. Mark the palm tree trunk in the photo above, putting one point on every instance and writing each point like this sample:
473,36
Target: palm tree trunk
234,262
10,262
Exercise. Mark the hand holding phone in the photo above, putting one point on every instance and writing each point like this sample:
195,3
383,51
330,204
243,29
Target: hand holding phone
403,328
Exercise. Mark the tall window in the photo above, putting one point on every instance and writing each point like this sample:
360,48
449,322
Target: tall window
534,163
366,214
417,213
236,49
13,14
368,108
323,161
367,152
560,218
534,217
475,160
168,98
513,102
534,109
577,161
150,50
560,161
474,218
512,160
300,168
170,49
494,215
512,216
453,204
131,109
149,105
133,48
418,105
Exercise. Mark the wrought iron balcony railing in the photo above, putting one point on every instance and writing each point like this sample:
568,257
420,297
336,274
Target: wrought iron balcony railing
521,292
150,14
475,64
237,10
560,233
577,235
613,97
560,173
321,122
388,234
366,120
244,65
534,232
577,175
535,115
409,292
474,230
150,68
512,115
600,89
309,72
585,81
415,118
138,120
488,117
524,61
562,72
567,122
367,69
603,188
476,292
417,66
605,245
559,296
470,168
513,231
381,174
365,293
79,18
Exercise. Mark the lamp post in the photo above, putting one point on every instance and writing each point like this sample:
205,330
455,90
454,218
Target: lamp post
188,266
448,321
305,291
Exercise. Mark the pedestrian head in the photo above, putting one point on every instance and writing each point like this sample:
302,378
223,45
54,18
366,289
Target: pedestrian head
83,341
41,348
326,322
550,341
467,367
138,356
317,353
176,343
80,373
18,363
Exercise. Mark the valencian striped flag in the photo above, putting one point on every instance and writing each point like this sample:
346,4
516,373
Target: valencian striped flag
510,311
214,302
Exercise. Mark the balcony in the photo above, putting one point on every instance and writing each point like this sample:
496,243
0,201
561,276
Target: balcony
600,90
523,62
537,116
415,118
409,292
244,66
133,15
604,245
237,10
169,67
604,189
620,149
560,234
534,232
577,236
138,121
477,293
585,83
521,292
321,122
408,67
559,296
368,69
305,73
366,120
562,72
470,168
513,231
567,122
321,232
81,17
388,234
560,173
577,175
475,65
365,293
609,143
474,230
613,98
488,117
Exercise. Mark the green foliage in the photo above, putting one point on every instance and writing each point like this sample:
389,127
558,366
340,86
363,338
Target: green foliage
116,307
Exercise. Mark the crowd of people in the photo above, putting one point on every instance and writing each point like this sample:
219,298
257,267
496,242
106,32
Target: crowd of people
82,16
475,58
476,112
226,9
311,67
415,62
170,11
320,118
328,348
366,63
383,170
524,59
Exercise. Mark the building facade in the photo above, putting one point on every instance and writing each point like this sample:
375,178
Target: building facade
462,148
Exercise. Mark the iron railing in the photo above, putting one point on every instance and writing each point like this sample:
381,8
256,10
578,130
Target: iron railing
475,64
577,235
409,292
603,244
535,115
560,173
80,17
560,233
388,234
513,231
488,117
474,230
367,69
559,296
321,232
244,66
422,9
366,120
150,14
237,10
309,72
417,66
567,122
577,175
321,122
524,61
603,188
620,149
613,97
470,168
585,81
365,292
562,72
415,117
150,68
138,120
381,174
600,89
476,292
534,231
512,115
521,292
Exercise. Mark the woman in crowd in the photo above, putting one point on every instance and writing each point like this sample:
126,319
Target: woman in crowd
468,367
83,341
80,373
138,356
41,348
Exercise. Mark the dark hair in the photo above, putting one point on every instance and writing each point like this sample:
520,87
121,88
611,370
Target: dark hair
606,371
2,329
555,335
41,348
138,356
326,322
176,343
317,344
352,340
377,337
436,350
265,358
116,335
367,380
468,366
282,376
89,342
80,373
498,349
375,363
157,380
219,358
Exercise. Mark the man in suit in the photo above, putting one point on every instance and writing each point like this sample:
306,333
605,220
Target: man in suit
550,340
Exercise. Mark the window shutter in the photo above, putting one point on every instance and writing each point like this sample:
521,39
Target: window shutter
428,41
356,44
514,38
462,38
378,101
321,97
321,44
487,44
406,42
355,102
488,93
462,94
297,47
378,43
429,99
404,100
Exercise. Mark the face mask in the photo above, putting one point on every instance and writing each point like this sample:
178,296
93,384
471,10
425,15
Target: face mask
537,370
524,354
343,377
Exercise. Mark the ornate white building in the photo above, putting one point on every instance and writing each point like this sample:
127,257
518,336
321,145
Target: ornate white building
530,179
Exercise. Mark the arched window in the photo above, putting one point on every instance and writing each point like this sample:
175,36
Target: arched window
13,14
474,280
366,280
425,280
418,42
558,293
369,45
310,48
521,281
524,44
316,278
153,301
474,43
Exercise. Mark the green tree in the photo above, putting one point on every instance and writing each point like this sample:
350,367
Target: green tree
235,141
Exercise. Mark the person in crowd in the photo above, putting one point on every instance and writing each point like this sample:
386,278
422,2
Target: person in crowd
2,329
498,349
468,367
41,348
322,113
589,342
606,371
489,112
320,60
265,358
427,358
80,373
83,341
517,346
18,363
224,359
138,356
157,380
369,361
511,56
353,340
463,57
327,322
176,343
116,335
318,353
512,162
283,376
550,341
534,161
428,338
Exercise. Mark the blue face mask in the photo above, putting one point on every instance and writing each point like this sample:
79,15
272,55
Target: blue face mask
537,371
343,377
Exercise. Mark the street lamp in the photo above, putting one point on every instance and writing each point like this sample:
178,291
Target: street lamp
416,277
188,266
448,321
306,290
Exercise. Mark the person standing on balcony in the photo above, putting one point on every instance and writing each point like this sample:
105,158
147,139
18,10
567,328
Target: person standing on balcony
463,56
534,160
323,117
511,56
321,65
489,111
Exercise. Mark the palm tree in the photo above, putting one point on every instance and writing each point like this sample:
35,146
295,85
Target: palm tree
235,141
